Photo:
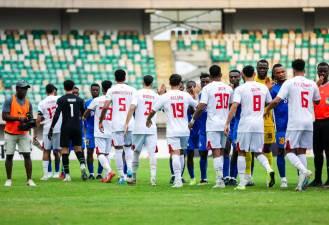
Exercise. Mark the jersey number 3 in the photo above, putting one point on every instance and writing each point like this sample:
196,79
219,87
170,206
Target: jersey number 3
257,103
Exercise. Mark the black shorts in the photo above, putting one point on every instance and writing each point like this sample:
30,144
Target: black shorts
321,134
71,135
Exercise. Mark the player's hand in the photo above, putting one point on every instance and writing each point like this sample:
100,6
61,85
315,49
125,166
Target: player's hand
320,81
126,129
162,89
266,113
227,130
101,127
148,123
50,133
190,125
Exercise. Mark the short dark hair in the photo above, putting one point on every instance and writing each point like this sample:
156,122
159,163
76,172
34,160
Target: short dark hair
204,75
263,61
248,71
175,79
234,71
120,75
215,71
106,84
191,82
322,64
50,88
298,65
69,85
273,69
94,85
148,80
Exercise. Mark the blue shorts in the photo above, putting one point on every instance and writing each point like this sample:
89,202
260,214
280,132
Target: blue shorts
197,142
280,138
90,142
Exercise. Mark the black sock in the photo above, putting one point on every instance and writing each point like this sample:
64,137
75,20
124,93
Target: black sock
65,161
80,157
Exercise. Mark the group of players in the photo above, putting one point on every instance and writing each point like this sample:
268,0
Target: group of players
222,117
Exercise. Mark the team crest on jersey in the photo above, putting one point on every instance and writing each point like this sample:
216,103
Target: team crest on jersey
281,140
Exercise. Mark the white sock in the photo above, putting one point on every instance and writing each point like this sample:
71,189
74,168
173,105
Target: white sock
218,166
105,163
153,163
177,168
135,162
45,164
264,161
129,157
302,158
182,161
119,161
242,169
295,161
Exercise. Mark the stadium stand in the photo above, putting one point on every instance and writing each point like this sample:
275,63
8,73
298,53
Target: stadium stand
246,47
41,57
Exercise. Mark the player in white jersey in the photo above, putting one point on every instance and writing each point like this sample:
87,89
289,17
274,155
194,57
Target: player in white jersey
301,93
143,136
216,98
103,138
120,96
175,104
46,111
252,97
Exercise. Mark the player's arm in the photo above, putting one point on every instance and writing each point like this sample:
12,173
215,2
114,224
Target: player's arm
86,114
149,118
199,109
55,118
230,116
129,115
272,105
6,113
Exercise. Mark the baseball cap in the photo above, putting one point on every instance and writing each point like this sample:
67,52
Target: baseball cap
22,84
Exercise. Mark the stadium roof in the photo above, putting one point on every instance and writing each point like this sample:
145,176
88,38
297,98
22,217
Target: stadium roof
163,4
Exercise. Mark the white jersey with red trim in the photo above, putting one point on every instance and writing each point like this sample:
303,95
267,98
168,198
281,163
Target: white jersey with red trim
144,101
300,92
46,109
121,96
217,96
252,97
97,104
175,104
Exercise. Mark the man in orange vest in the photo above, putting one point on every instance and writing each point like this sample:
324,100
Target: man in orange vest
16,112
321,126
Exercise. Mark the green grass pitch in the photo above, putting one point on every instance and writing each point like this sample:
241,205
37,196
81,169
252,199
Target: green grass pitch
55,203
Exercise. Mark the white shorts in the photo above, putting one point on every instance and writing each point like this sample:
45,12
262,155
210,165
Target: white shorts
23,141
54,143
119,139
103,145
216,139
299,139
177,143
149,141
253,142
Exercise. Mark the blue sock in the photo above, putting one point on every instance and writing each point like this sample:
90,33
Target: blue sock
57,165
203,164
50,169
125,168
234,164
90,167
100,168
226,166
281,163
171,168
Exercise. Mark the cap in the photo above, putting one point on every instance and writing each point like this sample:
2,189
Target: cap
22,84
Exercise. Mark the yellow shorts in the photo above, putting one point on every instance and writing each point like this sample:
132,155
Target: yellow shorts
269,135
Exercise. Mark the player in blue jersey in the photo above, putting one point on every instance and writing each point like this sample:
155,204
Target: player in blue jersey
89,135
197,139
230,170
281,120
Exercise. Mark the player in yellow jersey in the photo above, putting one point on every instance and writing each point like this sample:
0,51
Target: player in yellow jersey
269,128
